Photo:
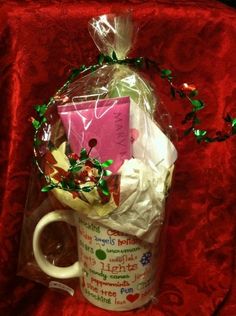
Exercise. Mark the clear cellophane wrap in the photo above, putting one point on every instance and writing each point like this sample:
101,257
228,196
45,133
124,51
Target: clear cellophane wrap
108,114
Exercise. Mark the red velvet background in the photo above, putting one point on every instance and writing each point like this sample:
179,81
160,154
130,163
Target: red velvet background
39,42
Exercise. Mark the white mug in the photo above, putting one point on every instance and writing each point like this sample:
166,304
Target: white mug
117,271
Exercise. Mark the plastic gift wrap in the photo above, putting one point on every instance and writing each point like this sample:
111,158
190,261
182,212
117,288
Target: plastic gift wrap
104,159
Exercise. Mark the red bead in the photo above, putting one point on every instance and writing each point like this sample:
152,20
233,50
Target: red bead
187,87
92,142
73,156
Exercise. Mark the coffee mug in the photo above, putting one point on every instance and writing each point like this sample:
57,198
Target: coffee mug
117,271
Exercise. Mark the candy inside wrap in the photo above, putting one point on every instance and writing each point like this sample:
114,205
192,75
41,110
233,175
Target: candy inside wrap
143,181
145,178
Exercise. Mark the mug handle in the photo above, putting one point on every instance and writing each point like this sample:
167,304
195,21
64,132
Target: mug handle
72,271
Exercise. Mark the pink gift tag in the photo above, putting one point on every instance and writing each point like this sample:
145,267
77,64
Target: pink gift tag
105,120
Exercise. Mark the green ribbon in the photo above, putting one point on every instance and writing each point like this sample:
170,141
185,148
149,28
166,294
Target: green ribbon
190,118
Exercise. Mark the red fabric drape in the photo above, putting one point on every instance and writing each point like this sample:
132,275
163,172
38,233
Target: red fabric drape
39,42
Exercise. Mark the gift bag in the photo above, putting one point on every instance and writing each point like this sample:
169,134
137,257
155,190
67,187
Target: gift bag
103,167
